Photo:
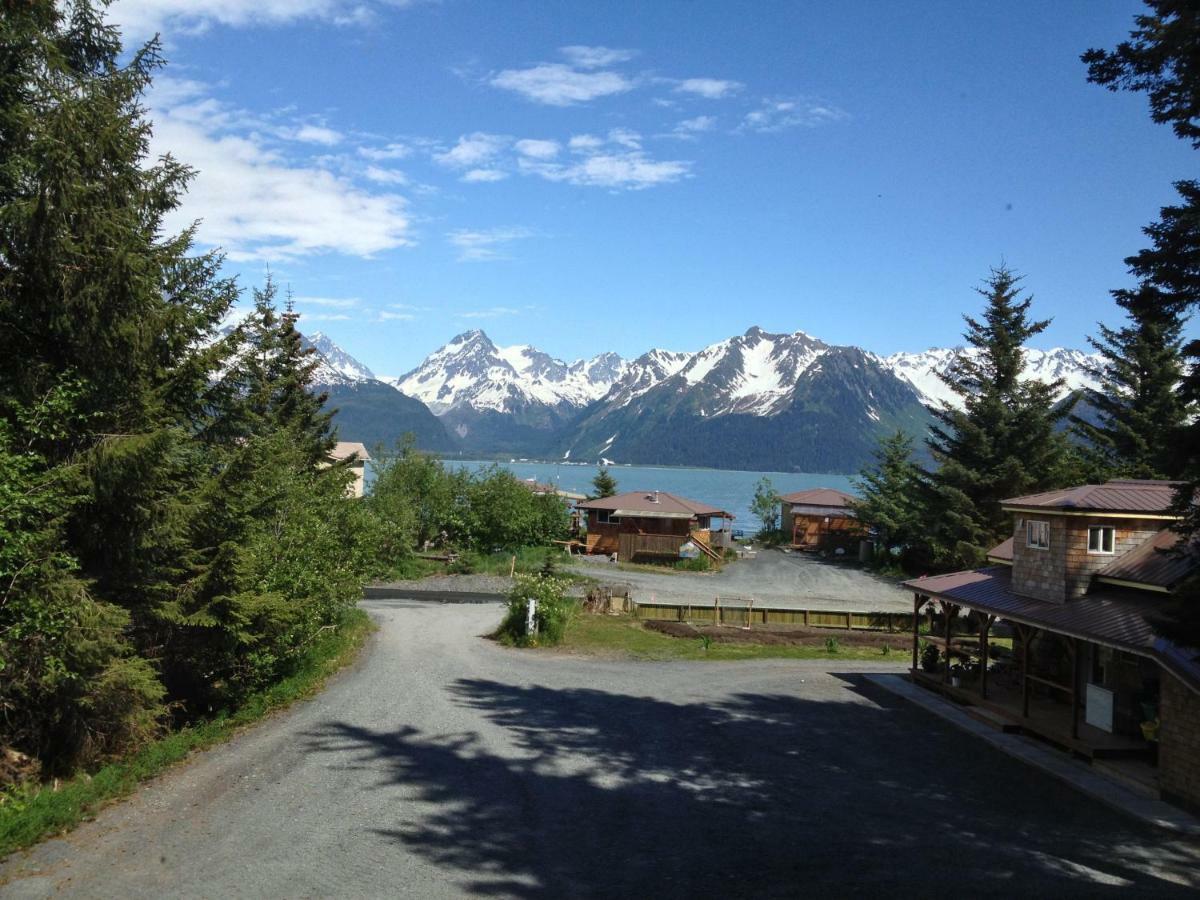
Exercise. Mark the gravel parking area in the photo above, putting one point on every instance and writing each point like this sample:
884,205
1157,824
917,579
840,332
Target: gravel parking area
445,766
774,578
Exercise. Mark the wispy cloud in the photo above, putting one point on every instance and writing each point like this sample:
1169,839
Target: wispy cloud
331,302
257,200
316,134
688,129
381,175
709,88
778,114
324,317
387,315
617,162
485,245
142,18
472,150
388,151
538,149
483,176
492,312
595,57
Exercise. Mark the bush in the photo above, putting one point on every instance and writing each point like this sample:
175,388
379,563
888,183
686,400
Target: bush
699,564
553,613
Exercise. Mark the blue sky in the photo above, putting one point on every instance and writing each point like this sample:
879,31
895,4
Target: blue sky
616,176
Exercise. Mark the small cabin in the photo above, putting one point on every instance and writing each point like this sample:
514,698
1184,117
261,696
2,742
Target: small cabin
654,525
344,450
820,519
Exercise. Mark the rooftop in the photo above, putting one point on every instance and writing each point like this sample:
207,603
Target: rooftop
1120,495
1160,562
653,504
346,449
820,497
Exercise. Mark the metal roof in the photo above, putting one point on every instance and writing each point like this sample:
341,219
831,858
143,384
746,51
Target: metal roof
1121,495
1002,551
653,504
1155,562
1103,617
826,497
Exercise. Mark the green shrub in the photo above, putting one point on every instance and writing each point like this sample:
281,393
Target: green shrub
553,613
831,645
699,564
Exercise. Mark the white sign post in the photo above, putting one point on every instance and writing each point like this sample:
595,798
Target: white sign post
530,621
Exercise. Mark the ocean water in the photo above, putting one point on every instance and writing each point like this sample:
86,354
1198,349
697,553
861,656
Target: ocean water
723,488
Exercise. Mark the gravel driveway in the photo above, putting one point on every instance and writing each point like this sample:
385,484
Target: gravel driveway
775,578
443,765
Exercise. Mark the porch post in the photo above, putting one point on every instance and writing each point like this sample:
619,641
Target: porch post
1074,647
916,631
1026,633
985,628
946,607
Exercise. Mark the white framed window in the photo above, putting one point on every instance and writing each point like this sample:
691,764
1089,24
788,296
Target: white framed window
1102,539
1037,534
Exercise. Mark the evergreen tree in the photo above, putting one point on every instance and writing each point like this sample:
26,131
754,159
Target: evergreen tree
604,484
1002,442
1139,409
1162,59
891,492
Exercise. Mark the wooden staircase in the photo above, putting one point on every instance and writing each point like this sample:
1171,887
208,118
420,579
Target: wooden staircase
709,551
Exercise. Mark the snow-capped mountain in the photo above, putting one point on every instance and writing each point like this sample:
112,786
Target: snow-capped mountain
921,370
472,372
337,366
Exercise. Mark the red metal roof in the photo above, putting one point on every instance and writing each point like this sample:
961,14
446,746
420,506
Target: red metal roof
1112,618
1155,562
820,497
1121,495
653,504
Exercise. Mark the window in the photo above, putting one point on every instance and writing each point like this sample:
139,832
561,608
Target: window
1037,534
605,517
1101,538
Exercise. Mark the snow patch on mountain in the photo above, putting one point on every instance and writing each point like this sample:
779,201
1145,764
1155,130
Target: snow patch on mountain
336,365
922,370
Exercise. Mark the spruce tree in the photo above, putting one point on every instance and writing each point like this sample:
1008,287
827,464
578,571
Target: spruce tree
1139,410
890,493
1002,441
604,484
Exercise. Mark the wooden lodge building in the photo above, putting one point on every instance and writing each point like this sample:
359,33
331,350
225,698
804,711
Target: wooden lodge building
1075,589
820,519
654,525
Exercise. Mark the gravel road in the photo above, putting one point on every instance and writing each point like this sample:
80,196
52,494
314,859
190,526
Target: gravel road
776,578
443,765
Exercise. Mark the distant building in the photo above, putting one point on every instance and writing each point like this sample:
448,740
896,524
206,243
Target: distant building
820,519
1076,588
344,450
654,524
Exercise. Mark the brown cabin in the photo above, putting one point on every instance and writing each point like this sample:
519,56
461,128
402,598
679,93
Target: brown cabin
820,519
1076,588
654,524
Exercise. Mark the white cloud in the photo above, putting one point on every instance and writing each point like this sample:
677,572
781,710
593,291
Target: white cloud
333,302
324,317
710,88
389,151
689,127
584,142
316,134
555,84
389,316
255,201
625,138
778,114
538,149
385,176
484,245
472,150
484,176
140,19
595,57
492,312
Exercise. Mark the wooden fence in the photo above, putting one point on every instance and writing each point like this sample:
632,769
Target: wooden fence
631,545
736,611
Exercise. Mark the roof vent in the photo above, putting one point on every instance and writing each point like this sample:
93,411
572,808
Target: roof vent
654,497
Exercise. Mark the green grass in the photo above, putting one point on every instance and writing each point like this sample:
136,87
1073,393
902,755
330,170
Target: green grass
627,638
30,814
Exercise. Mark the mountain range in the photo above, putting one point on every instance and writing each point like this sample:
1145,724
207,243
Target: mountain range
787,402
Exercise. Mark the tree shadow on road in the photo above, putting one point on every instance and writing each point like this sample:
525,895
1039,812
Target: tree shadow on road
574,792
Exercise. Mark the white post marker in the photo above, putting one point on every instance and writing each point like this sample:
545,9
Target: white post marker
530,612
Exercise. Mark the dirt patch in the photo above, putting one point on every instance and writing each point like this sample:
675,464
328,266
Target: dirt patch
779,635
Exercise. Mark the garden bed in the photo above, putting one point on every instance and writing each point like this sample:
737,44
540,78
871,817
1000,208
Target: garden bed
780,635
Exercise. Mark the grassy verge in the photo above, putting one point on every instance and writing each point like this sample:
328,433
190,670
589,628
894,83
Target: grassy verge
30,814
623,637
